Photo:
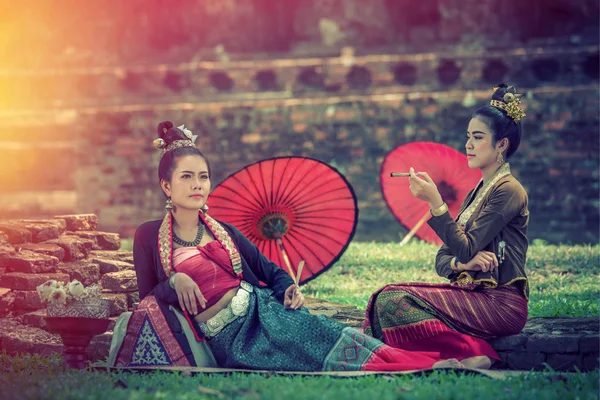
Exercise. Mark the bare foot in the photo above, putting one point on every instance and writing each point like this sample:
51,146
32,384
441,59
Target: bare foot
480,362
449,363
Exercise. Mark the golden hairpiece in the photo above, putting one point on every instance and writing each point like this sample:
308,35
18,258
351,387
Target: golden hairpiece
189,142
510,105
176,145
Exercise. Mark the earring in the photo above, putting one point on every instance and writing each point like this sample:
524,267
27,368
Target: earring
500,158
169,205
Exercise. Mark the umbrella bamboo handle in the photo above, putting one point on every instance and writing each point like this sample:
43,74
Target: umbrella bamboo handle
412,232
286,260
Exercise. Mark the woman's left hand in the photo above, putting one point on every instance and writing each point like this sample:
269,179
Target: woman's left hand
293,298
424,188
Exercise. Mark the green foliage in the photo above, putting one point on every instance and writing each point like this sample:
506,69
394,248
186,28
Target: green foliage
40,378
563,282
563,279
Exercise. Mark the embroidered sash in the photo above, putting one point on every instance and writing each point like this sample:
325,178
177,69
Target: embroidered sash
165,243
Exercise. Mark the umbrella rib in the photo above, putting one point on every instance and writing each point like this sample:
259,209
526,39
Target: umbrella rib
298,209
291,199
304,213
307,266
236,178
281,176
261,201
300,199
284,193
333,228
315,182
317,243
320,233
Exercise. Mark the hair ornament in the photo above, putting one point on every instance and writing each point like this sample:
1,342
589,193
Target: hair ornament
510,104
176,144
159,143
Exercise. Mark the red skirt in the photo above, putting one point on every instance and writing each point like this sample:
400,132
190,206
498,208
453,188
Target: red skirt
449,319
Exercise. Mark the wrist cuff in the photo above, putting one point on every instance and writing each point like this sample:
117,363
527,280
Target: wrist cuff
441,210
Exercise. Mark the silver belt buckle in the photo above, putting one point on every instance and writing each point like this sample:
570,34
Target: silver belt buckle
237,307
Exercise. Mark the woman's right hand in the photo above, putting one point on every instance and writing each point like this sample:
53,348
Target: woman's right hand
483,261
188,292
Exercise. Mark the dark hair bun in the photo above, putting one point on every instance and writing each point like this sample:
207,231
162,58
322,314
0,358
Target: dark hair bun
163,127
504,93
168,132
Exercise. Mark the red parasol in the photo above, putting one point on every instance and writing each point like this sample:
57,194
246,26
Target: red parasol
290,207
447,167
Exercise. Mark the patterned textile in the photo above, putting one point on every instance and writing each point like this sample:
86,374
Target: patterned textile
149,340
165,242
271,337
398,314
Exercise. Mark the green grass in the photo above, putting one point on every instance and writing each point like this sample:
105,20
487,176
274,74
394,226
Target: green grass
563,282
563,279
35,377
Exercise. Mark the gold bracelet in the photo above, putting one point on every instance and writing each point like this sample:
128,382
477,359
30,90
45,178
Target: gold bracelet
441,210
453,265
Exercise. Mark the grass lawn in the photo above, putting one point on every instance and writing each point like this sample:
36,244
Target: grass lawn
563,282
563,279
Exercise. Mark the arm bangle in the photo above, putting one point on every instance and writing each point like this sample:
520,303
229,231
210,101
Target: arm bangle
441,210
453,266
172,281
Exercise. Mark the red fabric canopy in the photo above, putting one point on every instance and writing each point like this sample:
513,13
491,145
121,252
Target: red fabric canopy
447,167
306,203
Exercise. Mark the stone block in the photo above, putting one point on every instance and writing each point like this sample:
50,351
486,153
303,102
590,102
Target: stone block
18,338
75,248
119,255
35,319
132,299
553,343
60,224
7,298
40,231
99,347
22,281
525,360
16,234
48,249
565,362
84,271
6,250
29,262
118,303
80,222
102,240
107,266
590,362
26,300
514,342
124,281
589,344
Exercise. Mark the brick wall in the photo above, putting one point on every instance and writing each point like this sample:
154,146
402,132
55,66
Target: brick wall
346,113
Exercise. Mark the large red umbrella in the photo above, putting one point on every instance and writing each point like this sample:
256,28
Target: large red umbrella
447,167
290,207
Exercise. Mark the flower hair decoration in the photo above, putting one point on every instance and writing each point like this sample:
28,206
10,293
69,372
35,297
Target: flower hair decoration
189,142
510,104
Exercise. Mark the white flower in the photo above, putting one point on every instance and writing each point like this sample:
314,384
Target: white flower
58,296
45,289
186,132
76,289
